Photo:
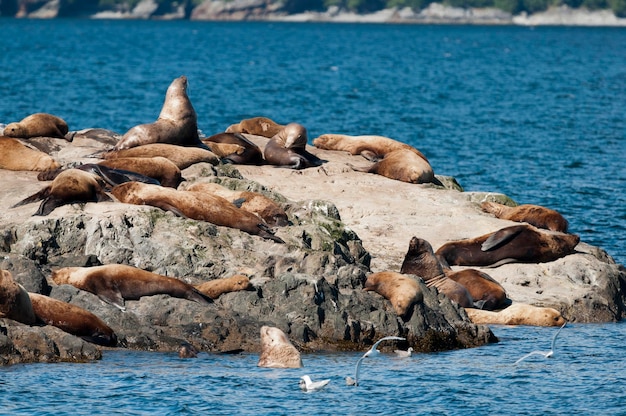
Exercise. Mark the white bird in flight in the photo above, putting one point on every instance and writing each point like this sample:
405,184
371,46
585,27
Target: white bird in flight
372,352
546,354
307,384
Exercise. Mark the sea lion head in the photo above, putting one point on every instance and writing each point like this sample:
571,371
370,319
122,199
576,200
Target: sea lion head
293,135
14,130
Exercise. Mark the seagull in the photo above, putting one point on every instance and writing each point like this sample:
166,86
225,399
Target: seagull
306,384
404,354
546,354
372,352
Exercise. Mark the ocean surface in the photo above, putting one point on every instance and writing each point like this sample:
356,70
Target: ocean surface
538,114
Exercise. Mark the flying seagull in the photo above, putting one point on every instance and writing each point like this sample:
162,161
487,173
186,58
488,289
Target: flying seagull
307,384
372,352
546,354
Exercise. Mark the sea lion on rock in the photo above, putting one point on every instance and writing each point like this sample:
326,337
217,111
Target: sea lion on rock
14,155
73,320
487,293
370,147
403,165
401,290
250,153
70,186
288,148
536,215
216,287
518,314
195,205
38,125
181,156
159,168
177,122
518,243
15,303
259,126
269,210
117,283
276,350
109,175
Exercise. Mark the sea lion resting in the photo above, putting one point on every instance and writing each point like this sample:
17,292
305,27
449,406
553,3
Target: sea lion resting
403,165
369,146
216,287
259,126
518,243
540,217
276,350
38,125
116,283
15,303
159,168
518,314
288,149
195,205
246,152
14,155
181,156
401,290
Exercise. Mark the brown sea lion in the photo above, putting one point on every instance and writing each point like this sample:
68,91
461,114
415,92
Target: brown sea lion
14,155
269,210
216,287
276,350
186,350
250,153
38,125
110,176
403,165
159,168
518,314
485,291
223,150
15,303
183,157
73,320
516,244
401,290
177,122
117,283
195,205
370,147
70,186
288,149
259,126
536,215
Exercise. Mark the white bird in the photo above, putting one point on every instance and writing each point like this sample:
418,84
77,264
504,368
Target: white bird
404,354
307,384
546,354
372,352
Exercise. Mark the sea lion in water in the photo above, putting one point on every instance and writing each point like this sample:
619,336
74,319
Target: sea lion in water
38,125
181,156
177,122
195,205
401,290
73,320
250,153
276,350
186,350
370,147
403,165
14,155
259,126
216,287
288,149
485,292
117,283
159,168
15,303
70,186
518,243
536,215
269,210
518,314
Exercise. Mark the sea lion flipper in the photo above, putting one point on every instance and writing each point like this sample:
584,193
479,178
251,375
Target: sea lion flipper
48,205
501,237
113,297
239,202
34,197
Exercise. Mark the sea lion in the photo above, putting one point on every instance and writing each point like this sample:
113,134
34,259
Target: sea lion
14,155
159,168
182,156
70,186
401,290
518,243
15,303
38,125
288,148
177,122
186,350
110,176
370,147
518,314
195,205
403,165
250,153
421,261
216,287
276,350
117,283
485,291
259,126
222,150
536,215
269,210
73,320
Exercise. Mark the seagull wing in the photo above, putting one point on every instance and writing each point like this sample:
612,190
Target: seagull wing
386,339
356,371
556,335
545,354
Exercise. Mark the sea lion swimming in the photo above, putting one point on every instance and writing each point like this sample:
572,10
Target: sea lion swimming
401,290
259,126
14,155
38,125
537,215
288,149
276,350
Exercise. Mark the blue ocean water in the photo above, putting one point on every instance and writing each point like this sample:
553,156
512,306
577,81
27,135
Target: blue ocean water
536,113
